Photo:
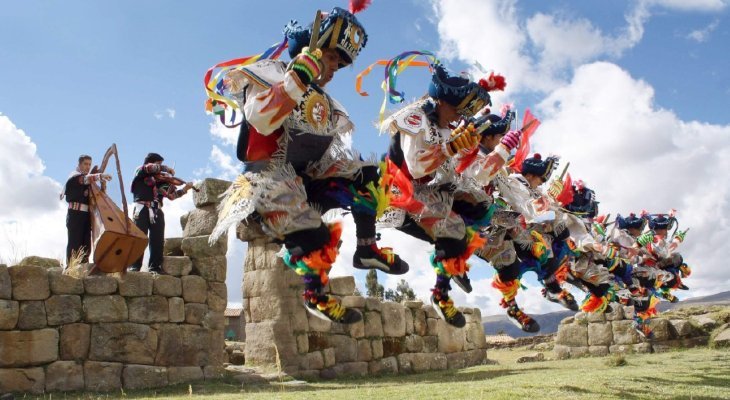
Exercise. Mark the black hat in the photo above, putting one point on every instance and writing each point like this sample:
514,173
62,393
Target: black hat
152,158
632,221
535,165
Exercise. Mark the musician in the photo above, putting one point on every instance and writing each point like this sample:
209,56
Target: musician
78,221
150,187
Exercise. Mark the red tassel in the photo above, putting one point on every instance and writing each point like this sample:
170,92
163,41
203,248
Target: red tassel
358,5
494,82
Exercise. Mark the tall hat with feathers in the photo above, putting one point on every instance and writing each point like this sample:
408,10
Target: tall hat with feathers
584,200
535,165
500,124
661,221
339,30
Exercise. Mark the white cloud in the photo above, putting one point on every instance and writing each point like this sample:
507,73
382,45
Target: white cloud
170,112
229,136
692,5
32,217
702,35
637,156
225,163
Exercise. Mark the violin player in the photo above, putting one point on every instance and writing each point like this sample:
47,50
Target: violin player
78,220
152,183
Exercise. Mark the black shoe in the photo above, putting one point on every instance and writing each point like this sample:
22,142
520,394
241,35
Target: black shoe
157,271
448,312
463,282
522,320
332,310
564,298
372,257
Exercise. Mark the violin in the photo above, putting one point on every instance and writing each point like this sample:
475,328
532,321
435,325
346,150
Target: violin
173,180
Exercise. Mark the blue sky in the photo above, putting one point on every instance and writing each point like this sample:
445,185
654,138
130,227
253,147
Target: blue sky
76,76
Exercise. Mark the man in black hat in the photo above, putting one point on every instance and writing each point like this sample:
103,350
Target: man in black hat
149,188
78,221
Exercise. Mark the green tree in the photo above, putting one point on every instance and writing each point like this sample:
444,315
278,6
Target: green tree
372,287
402,292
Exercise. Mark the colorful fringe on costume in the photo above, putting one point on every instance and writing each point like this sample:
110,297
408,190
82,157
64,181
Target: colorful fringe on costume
593,303
458,265
318,262
373,201
397,188
508,289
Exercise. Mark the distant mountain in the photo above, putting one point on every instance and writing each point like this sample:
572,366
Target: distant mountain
549,322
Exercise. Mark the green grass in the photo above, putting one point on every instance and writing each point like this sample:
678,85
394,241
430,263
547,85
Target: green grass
685,374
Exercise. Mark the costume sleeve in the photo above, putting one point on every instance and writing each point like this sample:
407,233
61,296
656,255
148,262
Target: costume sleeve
269,93
421,158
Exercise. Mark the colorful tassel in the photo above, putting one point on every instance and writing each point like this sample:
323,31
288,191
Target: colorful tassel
508,289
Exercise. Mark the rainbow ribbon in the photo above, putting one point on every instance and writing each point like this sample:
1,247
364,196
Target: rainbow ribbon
215,86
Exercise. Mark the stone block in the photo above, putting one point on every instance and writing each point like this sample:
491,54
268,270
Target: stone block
210,191
621,348
430,312
29,282
581,317
475,357
198,247
184,345
79,271
352,369
598,351
572,335
194,289
377,345
385,366
578,351
419,322
680,328
148,309
704,321
616,314
6,286
298,318
430,344
475,335
110,308
695,341
27,380
102,376
237,357
32,315
346,347
561,352
451,339
201,221
62,309
372,304
314,360
64,376
100,284
172,247
364,350
214,320
177,265
642,348
354,302
144,376
42,262
373,324
329,357
595,317
124,342
600,334
64,284
75,339
394,319
265,283
166,285
194,313
413,304
457,360
177,375
567,320
629,312
433,325
217,296
409,321
28,348
214,372
660,328
429,362
176,306
356,330
136,284
303,343
414,344
342,286
722,339
9,313
624,332
405,362
211,268
261,338
393,346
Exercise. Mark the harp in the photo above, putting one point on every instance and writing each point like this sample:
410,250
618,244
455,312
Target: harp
116,240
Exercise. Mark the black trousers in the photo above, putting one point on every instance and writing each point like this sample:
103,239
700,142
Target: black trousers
78,225
156,234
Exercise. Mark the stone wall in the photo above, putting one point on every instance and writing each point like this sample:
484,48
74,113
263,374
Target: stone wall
75,331
610,333
392,338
